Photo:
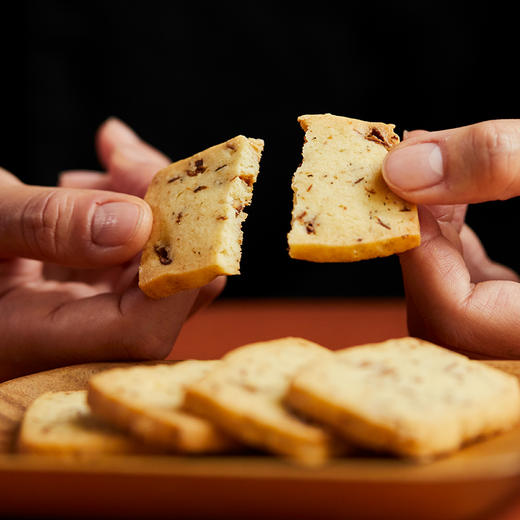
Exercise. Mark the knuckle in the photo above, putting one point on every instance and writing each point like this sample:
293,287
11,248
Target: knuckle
41,220
494,148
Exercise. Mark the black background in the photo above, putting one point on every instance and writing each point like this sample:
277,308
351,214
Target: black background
188,76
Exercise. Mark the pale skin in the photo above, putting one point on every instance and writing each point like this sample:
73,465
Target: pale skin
456,295
68,265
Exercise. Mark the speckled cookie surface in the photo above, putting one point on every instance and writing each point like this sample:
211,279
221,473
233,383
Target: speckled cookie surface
343,211
244,397
197,206
146,401
407,396
61,423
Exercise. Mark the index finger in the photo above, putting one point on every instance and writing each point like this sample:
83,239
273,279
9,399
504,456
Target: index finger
7,177
130,161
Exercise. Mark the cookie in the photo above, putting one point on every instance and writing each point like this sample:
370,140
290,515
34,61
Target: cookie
343,210
146,400
243,396
61,423
407,397
197,206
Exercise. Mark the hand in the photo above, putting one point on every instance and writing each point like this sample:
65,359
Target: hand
68,265
456,296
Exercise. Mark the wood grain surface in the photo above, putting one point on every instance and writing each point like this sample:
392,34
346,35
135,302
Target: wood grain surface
17,394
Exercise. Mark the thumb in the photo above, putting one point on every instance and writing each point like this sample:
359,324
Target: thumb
474,163
73,227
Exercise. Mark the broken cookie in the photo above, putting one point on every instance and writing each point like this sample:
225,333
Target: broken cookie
197,206
343,211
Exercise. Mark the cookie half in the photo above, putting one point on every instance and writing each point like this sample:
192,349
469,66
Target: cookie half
198,210
343,210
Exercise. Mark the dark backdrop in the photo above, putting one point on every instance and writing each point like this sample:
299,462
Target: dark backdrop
188,77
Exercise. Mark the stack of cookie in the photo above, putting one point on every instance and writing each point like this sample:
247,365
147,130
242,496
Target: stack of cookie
288,397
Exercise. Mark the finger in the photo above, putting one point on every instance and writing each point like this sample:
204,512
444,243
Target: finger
475,163
148,328
451,223
450,220
103,280
128,277
453,214
133,168
18,271
7,178
480,266
131,162
407,134
113,133
80,228
208,294
84,179
447,308
73,326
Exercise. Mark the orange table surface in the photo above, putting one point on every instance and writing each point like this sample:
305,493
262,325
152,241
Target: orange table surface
334,323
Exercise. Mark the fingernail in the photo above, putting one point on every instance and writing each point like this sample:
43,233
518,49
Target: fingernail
414,167
115,223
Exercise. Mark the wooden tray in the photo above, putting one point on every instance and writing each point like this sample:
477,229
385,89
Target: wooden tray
469,485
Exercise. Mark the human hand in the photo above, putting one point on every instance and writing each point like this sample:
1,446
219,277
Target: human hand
68,265
456,296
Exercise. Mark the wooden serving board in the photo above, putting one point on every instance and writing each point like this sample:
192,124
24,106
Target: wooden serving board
470,485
